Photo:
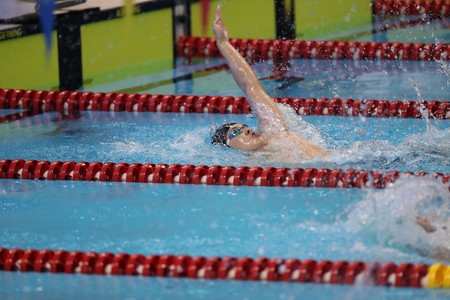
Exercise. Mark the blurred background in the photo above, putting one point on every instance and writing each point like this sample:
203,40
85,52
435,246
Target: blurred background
44,44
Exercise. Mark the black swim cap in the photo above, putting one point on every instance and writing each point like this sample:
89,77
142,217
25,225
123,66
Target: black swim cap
220,135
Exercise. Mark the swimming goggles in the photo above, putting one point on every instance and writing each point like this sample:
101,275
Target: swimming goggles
235,132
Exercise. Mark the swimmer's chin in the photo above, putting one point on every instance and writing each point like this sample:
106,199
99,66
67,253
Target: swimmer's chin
248,144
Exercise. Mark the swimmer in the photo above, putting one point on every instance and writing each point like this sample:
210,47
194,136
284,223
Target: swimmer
439,253
273,130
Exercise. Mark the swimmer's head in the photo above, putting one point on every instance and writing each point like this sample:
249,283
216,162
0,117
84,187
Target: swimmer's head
238,136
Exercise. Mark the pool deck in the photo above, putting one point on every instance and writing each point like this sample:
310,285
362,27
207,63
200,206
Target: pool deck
13,10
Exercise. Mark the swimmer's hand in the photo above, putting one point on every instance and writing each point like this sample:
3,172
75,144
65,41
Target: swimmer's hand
220,31
425,224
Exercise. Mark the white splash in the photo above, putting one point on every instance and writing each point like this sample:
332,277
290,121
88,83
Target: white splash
196,148
413,153
303,128
390,215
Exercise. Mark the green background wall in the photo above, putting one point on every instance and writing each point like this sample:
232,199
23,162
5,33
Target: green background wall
127,47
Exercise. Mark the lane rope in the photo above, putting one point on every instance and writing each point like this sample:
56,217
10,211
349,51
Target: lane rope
48,101
227,268
259,49
201,174
431,9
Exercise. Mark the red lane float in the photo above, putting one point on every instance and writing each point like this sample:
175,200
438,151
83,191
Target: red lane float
431,8
209,175
225,268
46,101
259,49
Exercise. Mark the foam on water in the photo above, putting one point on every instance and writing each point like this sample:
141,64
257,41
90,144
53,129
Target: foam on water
390,216
414,152
305,129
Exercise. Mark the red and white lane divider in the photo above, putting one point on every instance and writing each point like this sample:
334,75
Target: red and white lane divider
227,268
191,174
259,49
432,9
46,101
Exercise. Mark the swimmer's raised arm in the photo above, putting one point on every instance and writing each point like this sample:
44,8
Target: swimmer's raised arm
272,126
245,77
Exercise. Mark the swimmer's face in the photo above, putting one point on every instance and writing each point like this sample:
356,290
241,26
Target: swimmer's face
242,137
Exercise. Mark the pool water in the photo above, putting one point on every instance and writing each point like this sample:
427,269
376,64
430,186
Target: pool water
210,221
369,79
48,286
436,31
359,143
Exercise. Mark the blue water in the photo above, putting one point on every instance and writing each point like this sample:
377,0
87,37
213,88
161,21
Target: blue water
361,143
212,221
159,218
436,31
51,286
